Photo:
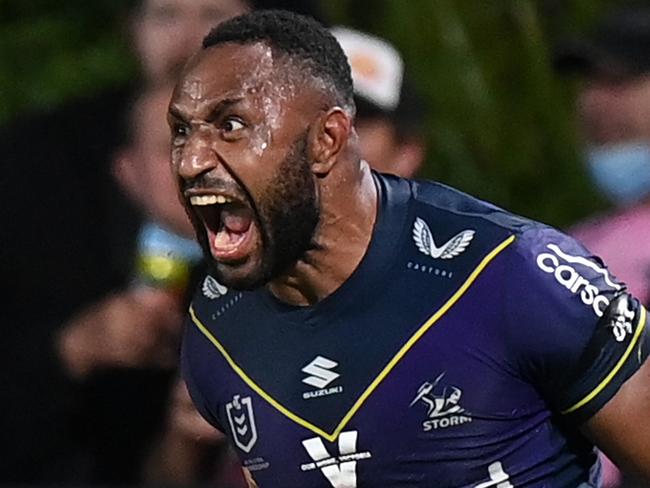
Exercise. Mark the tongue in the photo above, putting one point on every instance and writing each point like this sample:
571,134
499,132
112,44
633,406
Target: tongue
235,226
236,222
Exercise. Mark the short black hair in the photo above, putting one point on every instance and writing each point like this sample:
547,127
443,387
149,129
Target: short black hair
302,39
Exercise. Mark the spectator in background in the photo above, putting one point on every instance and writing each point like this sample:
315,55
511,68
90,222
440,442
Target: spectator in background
163,246
122,350
390,113
182,449
614,116
176,445
165,32
189,451
67,258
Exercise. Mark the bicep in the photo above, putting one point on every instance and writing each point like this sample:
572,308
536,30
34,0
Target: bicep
582,341
622,427
573,330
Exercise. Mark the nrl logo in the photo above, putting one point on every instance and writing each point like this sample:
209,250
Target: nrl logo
242,422
426,245
212,289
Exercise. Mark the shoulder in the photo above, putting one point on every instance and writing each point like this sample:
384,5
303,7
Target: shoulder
531,238
563,269
207,320
442,200
210,296
445,222
439,214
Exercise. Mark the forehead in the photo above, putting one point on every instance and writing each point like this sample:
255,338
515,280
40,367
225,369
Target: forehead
229,71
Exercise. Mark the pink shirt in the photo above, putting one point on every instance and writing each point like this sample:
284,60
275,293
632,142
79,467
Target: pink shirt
622,240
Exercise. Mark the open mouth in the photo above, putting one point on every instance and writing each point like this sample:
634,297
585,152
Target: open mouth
230,225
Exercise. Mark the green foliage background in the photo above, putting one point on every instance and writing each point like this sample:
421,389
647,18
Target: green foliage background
501,123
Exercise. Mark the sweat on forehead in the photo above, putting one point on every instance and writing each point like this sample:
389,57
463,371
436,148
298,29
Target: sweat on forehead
301,41
259,68
233,71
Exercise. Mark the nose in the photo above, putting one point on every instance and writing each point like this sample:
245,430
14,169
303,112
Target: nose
198,156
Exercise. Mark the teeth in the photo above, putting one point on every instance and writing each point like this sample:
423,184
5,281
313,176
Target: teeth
203,200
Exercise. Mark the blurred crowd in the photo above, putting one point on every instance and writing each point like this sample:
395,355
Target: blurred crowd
613,106
98,257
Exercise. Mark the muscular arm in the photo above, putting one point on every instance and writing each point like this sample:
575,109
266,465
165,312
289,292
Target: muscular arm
622,427
586,351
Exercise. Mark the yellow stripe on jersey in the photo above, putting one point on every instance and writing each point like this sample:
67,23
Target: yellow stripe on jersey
288,413
382,375
603,384
422,330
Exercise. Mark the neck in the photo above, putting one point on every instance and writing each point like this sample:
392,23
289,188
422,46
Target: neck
348,215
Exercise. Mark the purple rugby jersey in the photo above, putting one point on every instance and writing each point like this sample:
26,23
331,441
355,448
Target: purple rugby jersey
464,351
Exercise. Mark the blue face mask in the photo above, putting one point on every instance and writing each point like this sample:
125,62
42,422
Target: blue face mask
621,172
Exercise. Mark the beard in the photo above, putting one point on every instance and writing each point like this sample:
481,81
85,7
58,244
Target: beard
290,211
287,214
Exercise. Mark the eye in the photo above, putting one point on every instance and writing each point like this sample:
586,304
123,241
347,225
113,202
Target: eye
232,124
180,130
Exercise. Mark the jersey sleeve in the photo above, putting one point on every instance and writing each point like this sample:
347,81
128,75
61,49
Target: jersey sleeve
574,331
189,357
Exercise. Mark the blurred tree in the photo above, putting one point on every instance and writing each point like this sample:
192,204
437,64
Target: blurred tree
501,123
53,51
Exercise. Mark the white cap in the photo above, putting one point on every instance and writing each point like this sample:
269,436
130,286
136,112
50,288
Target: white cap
377,67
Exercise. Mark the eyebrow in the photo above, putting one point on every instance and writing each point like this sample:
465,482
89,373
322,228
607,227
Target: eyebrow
214,112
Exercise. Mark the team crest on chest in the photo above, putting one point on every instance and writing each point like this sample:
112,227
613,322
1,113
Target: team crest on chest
423,238
442,403
242,422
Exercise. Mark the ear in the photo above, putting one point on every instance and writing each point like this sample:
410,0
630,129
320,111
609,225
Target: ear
330,137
